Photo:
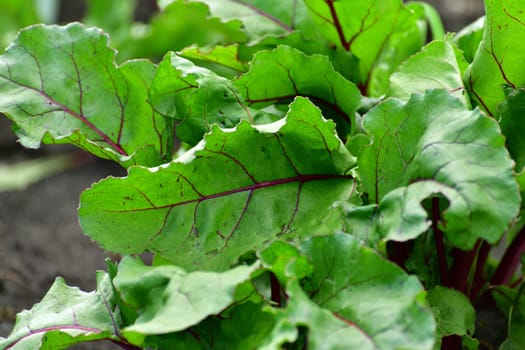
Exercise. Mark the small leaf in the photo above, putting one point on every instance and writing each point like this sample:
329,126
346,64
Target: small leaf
236,191
280,75
369,293
285,261
413,75
469,38
226,56
453,311
433,145
61,85
498,60
169,299
196,97
66,316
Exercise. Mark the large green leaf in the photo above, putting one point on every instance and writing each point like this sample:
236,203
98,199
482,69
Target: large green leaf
168,299
280,75
196,97
364,28
499,59
236,191
433,145
414,76
66,316
61,85
368,293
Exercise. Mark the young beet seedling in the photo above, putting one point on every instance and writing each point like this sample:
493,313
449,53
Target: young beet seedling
340,184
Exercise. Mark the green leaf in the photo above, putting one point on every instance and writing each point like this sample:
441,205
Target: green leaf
433,145
432,16
196,97
285,261
510,113
408,37
453,311
66,316
498,60
280,75
469,38
263,17
225,56
180,24
369,293
169,299
236,191
365,32
61,85
414,76
325,329
243,326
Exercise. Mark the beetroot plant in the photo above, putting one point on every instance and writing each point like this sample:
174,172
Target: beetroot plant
313,175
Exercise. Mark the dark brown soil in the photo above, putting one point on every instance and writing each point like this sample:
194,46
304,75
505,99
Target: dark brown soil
40,236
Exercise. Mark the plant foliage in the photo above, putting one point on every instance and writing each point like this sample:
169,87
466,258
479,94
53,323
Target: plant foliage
336,182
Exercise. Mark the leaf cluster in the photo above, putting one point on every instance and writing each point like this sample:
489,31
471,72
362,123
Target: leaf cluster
308,174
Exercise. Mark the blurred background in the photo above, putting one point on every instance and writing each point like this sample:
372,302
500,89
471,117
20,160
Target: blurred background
39,189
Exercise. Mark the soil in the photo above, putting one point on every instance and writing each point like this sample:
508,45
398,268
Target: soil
41,239
39,233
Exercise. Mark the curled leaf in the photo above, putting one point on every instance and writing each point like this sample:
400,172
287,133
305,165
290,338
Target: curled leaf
434,145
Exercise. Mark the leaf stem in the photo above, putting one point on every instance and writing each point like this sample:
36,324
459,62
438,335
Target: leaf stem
479,278
440,246
461,274
275,288
451,342
510,260
338,25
